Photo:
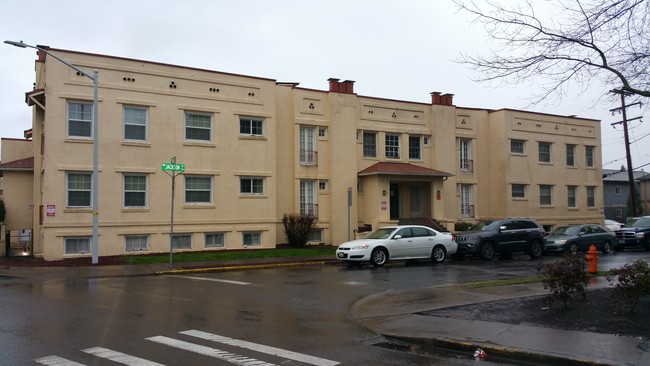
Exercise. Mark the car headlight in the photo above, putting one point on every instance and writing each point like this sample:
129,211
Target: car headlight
360,246
560,241
640,235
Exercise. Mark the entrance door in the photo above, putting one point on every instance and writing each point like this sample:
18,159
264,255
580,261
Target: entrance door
416,199
394,201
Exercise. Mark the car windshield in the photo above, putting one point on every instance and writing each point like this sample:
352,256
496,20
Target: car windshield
381,233
566,230
486,225
638,222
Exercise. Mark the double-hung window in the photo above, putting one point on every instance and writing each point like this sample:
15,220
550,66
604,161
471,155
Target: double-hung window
198,189
415,147
135,123
589,156
369,144
570,155
518,191
392,146
571,196
544,152
251,186
79,189
135,190
80,118
591,197
545,195
517,146
251,126
198,126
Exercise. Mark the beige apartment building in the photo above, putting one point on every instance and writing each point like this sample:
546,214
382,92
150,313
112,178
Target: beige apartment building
255,149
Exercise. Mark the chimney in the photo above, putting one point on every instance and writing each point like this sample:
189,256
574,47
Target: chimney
347,87
334,85
438,98
449,99
435,98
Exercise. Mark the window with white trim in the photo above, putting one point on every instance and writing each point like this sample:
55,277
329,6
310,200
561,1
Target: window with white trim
215,240
77,245
392,146
571,196
545,195
591,197
415,147
198,189
516,146
315,236
80,119
570,155
135,243
135,123
308,146
135,190
198,126
544,150
518,191
182,241
79,189
369,144
252,238
251,185
589,156
251,126
465,149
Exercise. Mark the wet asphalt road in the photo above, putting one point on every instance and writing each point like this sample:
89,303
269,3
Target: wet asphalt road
303,313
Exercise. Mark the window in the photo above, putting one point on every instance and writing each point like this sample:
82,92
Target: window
182,241
79,189
518,191
136,243
251,185
517,146
198,189
427,140
80,118
369,144
617,190
415,147
308,205
135,190
589,155
591,197
252,238
198,126
466,163
545,195
544,152
135,123
316,236
79,245
308,155
466,201
392,146
322,133
251,126
570,155
322,185
215,240
571,196
619,213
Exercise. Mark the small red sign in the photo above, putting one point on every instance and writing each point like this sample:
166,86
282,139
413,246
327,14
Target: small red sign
51,210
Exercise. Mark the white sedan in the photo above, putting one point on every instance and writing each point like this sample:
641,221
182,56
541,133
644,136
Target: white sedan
398,243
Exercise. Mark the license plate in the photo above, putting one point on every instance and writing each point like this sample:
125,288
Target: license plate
621,241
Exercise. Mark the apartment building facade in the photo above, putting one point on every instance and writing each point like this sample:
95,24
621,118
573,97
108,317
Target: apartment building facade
255,149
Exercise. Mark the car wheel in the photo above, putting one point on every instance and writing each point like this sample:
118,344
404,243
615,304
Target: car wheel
487,251
535,249
573,248
607,247
438,254
379,257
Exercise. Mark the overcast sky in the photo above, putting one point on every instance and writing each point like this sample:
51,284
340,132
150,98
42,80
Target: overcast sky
392,49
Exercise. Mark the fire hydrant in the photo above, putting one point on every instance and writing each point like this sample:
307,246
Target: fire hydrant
592,258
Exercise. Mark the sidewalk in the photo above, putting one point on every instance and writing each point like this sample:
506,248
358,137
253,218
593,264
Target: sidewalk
396,314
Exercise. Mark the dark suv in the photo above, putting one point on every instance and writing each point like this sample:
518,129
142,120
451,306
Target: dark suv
502,237
634,234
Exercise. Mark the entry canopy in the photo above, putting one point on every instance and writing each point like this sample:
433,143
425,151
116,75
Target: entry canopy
384,168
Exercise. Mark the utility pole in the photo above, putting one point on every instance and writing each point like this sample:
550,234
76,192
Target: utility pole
630,171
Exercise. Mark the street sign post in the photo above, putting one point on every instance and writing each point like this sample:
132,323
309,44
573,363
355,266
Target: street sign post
172,169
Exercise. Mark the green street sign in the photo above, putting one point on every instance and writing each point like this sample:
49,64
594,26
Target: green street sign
173,167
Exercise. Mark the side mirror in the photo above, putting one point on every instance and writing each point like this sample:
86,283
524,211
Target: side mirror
398,236
503,227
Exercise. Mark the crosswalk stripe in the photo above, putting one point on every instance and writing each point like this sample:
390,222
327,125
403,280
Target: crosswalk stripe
119,357
56,361
212,279
261,348
211,352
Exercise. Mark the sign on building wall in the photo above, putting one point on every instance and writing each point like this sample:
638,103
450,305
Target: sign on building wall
51,210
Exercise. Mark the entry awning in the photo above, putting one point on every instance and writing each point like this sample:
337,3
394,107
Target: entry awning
384,168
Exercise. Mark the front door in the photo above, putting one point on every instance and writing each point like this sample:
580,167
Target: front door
416,199
394,201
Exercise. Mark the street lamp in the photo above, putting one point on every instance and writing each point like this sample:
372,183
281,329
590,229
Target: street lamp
95,180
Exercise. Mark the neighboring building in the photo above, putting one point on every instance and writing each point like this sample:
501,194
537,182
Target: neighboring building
255,149
616,192
644,189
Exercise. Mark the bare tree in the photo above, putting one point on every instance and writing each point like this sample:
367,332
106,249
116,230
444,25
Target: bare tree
586,40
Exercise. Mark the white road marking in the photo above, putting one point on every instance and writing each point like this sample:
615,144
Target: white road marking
212,279
261,348
211,352
56,361
119,357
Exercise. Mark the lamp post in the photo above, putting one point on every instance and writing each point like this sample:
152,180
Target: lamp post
95,179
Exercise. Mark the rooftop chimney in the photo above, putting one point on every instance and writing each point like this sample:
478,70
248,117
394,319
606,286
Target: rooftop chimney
437,98
345,87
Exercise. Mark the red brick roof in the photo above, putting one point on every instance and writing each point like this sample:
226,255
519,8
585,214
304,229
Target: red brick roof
383,168
21,164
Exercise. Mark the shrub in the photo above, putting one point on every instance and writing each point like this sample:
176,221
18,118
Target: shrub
633,282
462,226
3,211
298,228
564,277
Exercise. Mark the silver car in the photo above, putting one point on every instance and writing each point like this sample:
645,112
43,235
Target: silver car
403,242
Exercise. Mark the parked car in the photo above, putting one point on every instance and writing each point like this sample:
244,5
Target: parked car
578,238
634,234
612,225
398,243
503,237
